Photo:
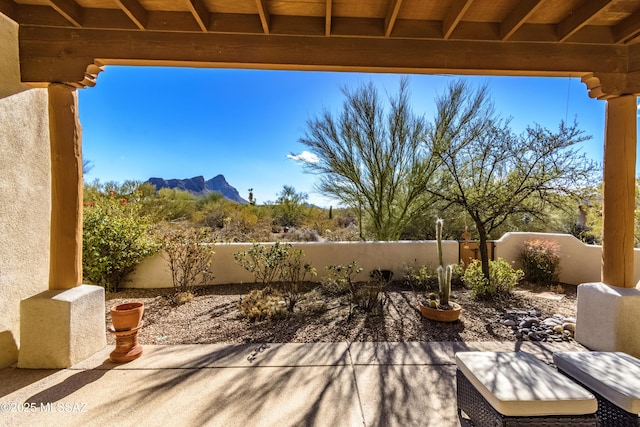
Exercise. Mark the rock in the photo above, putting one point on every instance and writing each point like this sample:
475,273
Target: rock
509,322
570,319
529,321
551,321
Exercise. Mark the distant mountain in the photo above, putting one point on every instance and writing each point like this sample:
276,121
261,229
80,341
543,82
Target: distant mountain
199,187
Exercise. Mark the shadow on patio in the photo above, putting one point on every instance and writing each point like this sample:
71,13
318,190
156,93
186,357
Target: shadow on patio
332,384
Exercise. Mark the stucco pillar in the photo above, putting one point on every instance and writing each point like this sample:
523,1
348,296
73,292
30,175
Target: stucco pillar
607,312
64,325
619,191
65,270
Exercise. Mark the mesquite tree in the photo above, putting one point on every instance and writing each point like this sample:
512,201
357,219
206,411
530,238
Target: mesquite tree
493,173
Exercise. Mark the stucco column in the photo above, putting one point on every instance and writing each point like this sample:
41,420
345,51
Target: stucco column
64,325
619,191
65,269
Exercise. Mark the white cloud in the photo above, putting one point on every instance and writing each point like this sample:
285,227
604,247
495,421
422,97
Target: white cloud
304,157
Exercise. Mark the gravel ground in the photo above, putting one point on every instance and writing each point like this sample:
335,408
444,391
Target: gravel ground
213,316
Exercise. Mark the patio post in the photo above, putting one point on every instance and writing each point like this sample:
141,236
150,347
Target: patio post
64,325
619,191
65,269
607,311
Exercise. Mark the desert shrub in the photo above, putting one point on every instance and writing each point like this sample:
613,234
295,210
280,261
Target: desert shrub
294,272
368,295
502,279
278,265
540,261
264,262
339,278
345,234
188,251
115,238
421,278
458,272
263,304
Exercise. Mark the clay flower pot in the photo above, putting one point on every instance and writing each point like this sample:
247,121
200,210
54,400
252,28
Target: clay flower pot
127,316
440,315
127,321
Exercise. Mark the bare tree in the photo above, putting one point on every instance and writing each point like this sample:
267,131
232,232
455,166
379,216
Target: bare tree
373,158
494,174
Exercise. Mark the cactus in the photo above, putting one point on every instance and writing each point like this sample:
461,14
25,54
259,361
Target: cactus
444,273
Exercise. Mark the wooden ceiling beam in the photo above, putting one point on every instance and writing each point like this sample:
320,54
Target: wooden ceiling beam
628,29
114,19
392,15
517,17
200,13
8,8
54,54
580,17
135,11
454,16
327,18
264,15
71,10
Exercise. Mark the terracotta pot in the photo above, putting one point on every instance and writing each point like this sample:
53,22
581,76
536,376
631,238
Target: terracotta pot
440,315
127,316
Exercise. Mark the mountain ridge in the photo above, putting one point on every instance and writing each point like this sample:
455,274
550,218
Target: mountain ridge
198,186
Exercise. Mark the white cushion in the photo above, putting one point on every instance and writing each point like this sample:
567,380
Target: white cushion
518,384
614,375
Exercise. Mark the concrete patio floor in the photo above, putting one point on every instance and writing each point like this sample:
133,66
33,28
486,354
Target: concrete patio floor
320,384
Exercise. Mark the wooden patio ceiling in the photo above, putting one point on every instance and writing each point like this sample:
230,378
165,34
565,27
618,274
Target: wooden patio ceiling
69,40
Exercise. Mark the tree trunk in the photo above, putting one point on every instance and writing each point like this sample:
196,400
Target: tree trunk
484,253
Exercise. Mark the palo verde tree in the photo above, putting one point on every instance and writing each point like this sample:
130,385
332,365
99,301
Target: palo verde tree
494,174
372,157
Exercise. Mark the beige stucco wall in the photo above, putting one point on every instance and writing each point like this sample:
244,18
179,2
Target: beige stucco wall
24,191
153,272
579,263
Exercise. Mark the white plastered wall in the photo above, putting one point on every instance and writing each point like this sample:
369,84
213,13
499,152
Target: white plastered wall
25,185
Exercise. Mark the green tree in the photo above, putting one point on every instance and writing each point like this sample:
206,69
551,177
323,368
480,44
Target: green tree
373,158
290,207
494,174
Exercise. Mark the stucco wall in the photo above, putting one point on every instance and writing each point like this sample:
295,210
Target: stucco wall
579,263
153,272
24,190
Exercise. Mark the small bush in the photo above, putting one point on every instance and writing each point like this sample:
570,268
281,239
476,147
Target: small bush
188,252
368,295
421,278
263,304
116,236
264,262
279,265
540,260
339,278
503,279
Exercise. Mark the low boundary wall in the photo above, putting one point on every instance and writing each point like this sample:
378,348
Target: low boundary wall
579,263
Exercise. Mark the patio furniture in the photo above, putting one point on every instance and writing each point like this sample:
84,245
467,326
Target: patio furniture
613,377
514,388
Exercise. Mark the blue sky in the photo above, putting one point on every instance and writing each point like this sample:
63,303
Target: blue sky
142,122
